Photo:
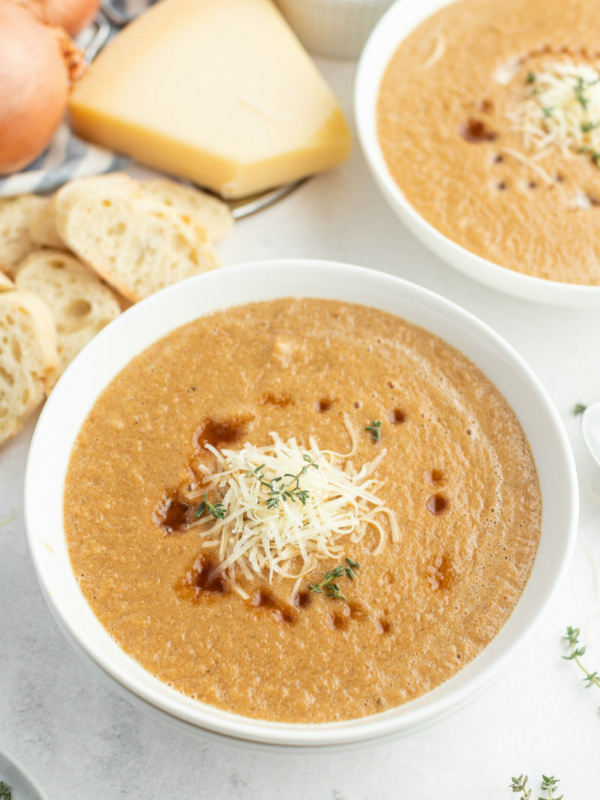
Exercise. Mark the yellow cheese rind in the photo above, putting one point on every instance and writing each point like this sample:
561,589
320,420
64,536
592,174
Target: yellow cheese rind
217,91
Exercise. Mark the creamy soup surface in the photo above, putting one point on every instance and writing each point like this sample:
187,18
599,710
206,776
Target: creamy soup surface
489,120
458,476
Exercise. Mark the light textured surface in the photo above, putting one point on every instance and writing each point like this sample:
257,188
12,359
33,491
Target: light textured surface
81,740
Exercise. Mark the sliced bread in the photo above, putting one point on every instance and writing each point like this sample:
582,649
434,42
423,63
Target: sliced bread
15,239
42,227
210,213
80,303
6,285
28,358
138,247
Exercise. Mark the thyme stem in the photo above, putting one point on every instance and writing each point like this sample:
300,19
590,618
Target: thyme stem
572,637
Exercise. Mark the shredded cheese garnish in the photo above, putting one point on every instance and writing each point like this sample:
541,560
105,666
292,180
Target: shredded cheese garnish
561,110
291,537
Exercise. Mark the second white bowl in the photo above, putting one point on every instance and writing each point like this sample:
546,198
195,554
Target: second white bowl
401,19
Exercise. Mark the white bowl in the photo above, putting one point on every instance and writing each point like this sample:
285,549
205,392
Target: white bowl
114,347
401,19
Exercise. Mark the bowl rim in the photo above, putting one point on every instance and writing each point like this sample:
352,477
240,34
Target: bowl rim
24,774
401,19
140,326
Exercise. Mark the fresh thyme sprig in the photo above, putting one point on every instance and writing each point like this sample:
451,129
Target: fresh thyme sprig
579,92
520,785
333,590
284,491
5,791
217,510
375,430
572,637
548,785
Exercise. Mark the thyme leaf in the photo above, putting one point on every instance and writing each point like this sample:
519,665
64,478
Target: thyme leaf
590,678
520,785
5,791
327,584
548,785
578,408
278,489
579,92
375,430
218,510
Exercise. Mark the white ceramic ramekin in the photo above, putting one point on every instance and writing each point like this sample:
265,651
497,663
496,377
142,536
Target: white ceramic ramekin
140,326
401,19
337,28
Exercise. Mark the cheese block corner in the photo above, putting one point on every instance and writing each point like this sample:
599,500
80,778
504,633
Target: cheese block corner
217,91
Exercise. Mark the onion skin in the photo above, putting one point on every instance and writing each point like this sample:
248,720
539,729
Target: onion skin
72,15
37,66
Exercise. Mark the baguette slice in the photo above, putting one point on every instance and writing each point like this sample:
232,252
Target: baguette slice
80,303
138,247
28,358
210,213
42,227
6,285
15,239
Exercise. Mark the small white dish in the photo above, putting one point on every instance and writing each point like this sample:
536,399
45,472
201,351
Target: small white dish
336,28
22,783
401,19
590,428
78,389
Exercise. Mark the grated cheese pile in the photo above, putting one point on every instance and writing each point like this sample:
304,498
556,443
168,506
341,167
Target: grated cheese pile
291,538
562,110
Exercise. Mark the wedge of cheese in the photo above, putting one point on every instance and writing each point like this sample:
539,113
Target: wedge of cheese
217,91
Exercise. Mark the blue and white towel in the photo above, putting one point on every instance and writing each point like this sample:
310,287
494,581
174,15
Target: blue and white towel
68,156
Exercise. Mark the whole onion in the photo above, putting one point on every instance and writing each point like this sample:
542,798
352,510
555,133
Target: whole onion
37,65
72,15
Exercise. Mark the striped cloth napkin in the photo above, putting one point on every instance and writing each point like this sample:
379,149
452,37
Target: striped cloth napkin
68,156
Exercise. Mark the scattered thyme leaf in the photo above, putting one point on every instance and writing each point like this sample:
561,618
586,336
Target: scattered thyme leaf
590,678
520,785
548,784
375,430
579,92
578,408
547,111
531,77
5,791
332,589
589,126
284,491
218,510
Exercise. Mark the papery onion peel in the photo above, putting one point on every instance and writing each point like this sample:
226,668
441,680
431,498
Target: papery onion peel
72,15
37,67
